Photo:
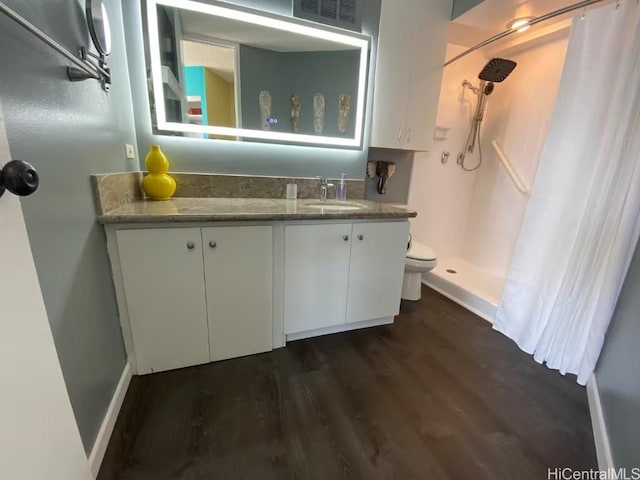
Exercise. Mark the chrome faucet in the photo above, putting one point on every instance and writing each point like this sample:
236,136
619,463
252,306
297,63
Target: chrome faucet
324,186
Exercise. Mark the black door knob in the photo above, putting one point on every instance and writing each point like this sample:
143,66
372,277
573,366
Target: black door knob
19,177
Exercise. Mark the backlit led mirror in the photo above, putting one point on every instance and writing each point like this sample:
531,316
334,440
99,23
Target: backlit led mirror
231,73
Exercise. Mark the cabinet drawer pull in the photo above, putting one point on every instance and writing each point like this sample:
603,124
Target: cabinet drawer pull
360,237
191,245
345,238
212,244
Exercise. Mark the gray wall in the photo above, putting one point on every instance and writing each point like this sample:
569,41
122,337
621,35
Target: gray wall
462,6
398,184
305,74
223,156
69,131
617,373
261,69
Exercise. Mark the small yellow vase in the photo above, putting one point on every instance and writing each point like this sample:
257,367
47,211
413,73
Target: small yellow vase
157,185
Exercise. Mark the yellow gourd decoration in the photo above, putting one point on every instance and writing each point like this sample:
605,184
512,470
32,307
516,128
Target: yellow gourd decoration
157,185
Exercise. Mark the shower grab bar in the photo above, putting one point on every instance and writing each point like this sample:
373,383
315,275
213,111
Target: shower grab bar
515,178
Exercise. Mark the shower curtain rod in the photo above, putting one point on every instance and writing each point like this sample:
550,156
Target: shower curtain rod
542,18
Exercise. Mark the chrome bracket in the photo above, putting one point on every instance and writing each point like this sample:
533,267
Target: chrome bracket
95,62
470,86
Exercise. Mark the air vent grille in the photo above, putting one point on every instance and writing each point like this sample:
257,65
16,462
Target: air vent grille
348,11
340,13
310,6
329,9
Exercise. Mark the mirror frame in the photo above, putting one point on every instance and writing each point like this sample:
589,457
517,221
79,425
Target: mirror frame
96,14
280,22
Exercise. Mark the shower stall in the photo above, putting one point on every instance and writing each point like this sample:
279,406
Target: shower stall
471,190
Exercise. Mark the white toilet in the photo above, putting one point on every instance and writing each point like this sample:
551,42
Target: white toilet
419,259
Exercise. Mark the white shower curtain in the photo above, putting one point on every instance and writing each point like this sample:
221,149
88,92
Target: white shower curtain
583,218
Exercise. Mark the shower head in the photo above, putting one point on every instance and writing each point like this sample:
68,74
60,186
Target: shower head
496,70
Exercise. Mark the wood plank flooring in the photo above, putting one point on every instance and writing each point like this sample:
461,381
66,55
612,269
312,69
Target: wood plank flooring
437,395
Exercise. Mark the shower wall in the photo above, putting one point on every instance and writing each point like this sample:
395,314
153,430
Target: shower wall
476,216
518,114
441,193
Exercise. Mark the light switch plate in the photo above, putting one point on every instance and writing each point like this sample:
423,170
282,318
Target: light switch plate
130,151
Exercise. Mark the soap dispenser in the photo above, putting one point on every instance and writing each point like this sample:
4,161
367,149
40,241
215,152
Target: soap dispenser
341,188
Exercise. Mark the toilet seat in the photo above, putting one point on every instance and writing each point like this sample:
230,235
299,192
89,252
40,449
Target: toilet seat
413,265
418,251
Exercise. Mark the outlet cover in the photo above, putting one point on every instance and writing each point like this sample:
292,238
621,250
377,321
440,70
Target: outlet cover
130,151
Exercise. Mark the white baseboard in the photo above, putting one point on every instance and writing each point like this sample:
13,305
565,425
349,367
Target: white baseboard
600,436
106,429
343,327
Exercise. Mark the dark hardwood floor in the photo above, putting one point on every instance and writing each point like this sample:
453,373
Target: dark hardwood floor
438,395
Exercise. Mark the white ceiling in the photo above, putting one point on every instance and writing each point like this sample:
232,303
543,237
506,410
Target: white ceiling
200,25
218,58
493,16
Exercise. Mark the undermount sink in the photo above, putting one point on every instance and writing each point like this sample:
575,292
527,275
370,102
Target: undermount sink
336,206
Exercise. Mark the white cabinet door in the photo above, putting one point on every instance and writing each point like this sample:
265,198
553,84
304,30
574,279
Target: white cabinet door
163,279
316,274
429,49
411,49
393,65
239,282
377,266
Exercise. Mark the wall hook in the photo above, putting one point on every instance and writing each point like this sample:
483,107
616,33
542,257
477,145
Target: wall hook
19,177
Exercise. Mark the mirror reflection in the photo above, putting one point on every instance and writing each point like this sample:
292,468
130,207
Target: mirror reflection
254,77
208,72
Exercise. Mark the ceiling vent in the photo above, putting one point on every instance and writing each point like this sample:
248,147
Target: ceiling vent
339,13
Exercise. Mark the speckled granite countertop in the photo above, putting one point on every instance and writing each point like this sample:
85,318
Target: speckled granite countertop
247,209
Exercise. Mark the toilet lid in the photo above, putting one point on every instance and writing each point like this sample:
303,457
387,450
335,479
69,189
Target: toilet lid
419,251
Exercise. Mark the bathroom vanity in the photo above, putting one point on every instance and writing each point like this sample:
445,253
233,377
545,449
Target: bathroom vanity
206,279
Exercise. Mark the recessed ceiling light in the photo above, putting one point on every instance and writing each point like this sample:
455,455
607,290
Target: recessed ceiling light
520,24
